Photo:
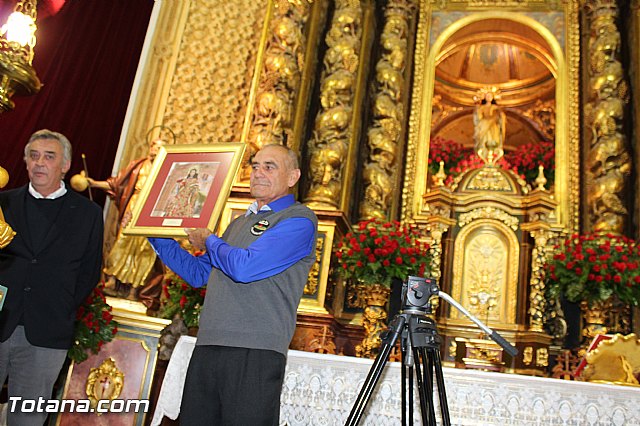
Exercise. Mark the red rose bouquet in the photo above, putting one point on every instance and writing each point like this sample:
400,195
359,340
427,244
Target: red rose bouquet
94,326
594,267
450,152
376,252
527,158
458,159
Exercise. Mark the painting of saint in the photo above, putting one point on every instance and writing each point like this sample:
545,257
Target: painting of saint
184,199
185,190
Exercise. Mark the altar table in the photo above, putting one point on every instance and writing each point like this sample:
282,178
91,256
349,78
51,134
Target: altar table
320,389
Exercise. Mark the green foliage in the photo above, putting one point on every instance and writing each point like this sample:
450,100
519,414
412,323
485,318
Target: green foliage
179,298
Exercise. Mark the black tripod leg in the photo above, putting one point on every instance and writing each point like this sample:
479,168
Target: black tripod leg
425,386
406,372
442,394
388,342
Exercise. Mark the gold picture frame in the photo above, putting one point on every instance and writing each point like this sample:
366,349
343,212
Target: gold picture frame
187,188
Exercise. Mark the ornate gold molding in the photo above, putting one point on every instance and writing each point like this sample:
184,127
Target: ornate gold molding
539,256
104,383
489,213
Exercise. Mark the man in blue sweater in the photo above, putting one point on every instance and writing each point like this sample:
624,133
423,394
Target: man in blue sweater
255,274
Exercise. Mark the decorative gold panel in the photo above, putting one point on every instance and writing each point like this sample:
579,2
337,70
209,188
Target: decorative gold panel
315,291
485,271
211,83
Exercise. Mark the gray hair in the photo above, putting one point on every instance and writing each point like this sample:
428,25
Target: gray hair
48,134
293,158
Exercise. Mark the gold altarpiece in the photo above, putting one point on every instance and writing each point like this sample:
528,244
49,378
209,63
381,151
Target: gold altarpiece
492,232
310,74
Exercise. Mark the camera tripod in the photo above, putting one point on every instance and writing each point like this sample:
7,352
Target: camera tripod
420,347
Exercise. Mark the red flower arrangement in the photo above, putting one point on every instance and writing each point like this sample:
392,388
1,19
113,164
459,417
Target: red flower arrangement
450,152
179,298
524,160
376,252
594,267
527,158
94,326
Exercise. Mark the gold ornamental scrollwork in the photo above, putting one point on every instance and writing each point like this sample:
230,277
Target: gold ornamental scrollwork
383,136
542,357
609,162
6,232
329,144
544,115
489,213
374,299
490,179
441,111
104,383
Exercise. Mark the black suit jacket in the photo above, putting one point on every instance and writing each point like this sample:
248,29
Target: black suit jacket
47,285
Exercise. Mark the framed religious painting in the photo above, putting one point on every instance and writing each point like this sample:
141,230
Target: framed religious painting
187,188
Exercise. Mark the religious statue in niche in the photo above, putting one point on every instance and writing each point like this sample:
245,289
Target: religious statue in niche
489,123
131,267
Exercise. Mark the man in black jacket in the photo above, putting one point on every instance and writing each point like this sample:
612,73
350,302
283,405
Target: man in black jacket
49,268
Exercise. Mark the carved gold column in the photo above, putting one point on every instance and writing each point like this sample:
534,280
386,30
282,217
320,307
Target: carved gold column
282,64
539,256
634,42
383,137
608,160
331,146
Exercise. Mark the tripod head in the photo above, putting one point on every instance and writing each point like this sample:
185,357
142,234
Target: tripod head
416,295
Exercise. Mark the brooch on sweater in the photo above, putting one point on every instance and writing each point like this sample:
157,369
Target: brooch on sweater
259,227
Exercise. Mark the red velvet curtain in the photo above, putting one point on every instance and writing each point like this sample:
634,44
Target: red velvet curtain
86,57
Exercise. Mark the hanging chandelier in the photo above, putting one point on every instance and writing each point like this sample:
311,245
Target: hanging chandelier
17,39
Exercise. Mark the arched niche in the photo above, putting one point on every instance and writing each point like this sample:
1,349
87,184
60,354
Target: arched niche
485,276
538,74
